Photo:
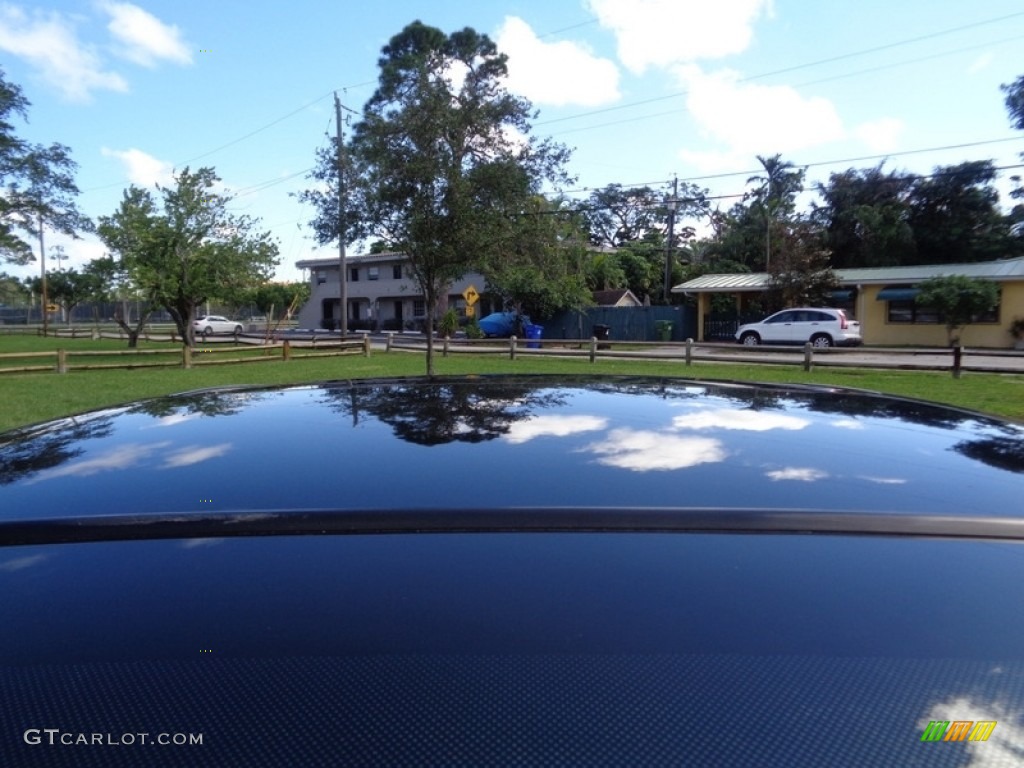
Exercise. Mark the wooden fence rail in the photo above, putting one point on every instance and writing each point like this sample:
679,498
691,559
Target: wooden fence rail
186,357
690,352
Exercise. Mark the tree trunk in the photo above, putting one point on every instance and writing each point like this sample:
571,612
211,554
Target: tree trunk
431,300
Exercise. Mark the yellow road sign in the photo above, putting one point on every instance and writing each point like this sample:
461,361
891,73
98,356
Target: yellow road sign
471,295
470,311
52,308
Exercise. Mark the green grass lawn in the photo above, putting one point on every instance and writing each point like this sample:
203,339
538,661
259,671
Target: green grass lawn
31,397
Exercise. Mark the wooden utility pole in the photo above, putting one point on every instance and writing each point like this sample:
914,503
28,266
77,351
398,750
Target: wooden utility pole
672,205
343,271
42,259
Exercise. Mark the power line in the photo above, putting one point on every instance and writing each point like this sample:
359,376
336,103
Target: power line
787,69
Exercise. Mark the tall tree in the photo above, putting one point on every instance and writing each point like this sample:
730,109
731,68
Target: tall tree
440,159
190,249
800,269
774,197
956,217
1015,107
541,268
69,288
866,218
37,186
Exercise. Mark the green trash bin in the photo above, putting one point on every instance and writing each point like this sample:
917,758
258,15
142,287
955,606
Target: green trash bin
664,328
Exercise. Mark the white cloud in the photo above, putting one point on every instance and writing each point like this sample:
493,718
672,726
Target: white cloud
142,169
49,43
557,74
803,474
880,135
195,454
644,451
733,418
554,425
143,38
753,119
664,32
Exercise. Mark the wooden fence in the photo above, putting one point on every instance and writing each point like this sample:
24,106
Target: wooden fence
955,360
184,357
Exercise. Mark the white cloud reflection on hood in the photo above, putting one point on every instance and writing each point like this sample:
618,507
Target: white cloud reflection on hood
645,451
554,425
193,454
803,474
121,457
736,418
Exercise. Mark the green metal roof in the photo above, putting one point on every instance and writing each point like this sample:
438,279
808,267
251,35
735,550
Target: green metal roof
1007,269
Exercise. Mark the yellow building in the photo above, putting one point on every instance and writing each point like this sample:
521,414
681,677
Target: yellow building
882,299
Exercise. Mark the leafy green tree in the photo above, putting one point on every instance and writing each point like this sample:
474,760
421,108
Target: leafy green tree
956,217
190,248
37,186
617,215
275,299
112,284
540,270
439,161
69,288
604,272
866,218
959,301
1015,102
1015,106
800,269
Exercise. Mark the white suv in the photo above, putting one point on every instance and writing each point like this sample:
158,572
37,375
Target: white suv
820,327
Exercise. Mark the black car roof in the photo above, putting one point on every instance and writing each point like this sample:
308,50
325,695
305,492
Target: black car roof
519,453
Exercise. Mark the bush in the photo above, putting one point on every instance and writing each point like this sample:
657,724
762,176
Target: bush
473,330
449,323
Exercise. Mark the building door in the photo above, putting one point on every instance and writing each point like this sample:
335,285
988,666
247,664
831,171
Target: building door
398,313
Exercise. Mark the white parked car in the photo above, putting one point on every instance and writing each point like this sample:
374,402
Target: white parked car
216,324
819,326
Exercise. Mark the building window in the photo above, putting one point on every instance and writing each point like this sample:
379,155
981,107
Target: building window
419,308
396,272
373,273
321,278
911,312
354,275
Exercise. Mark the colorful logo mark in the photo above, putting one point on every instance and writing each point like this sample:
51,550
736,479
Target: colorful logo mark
958,730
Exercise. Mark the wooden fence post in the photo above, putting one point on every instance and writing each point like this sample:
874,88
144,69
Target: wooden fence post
444,347
366,345
286,350
186,356
689,351
512,348
808,356
958,352
62,361
593,348
391,335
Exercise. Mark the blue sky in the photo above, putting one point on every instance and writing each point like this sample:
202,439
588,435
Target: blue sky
643,89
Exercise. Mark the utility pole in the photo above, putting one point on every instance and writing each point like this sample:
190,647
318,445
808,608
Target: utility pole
42,260
343,271
672,205
768,226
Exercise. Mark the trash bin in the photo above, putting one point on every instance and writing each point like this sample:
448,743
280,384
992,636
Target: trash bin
533,332
664,328
602,333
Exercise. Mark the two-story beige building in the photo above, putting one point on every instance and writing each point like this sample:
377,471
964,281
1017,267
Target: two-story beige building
382,293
